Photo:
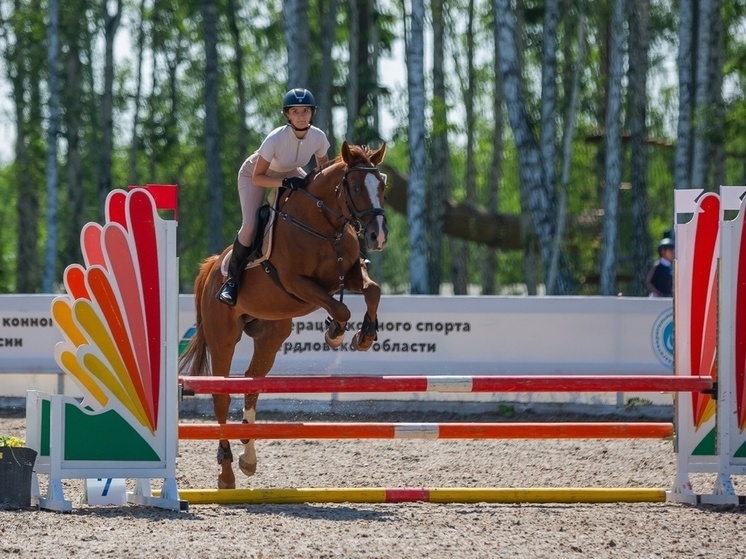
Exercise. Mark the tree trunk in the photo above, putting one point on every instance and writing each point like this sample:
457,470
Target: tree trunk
459,249
613,163
549,120
216,243
489,269
715,81
111,24
297,41
639,22
682,158
417,202
353,69
134,142
572,89
539,198
703,98
73,95
242,149
25,61
549,91
50,254
440,166
323,117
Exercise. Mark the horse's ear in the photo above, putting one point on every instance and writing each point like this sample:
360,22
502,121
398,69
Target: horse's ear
346,154
378,155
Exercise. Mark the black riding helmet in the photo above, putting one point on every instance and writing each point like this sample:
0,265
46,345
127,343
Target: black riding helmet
299,97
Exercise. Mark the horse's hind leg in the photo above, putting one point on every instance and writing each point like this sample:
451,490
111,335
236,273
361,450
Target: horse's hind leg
222,334
268,338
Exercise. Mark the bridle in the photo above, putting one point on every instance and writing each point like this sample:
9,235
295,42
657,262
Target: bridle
359,216
357,219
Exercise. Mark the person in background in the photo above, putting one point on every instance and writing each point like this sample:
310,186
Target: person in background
660,277
277,162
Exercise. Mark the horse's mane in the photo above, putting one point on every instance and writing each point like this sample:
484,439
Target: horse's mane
358,152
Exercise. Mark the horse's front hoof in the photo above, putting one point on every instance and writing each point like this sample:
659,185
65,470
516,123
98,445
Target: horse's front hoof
334,343
357,345
335,333
247,468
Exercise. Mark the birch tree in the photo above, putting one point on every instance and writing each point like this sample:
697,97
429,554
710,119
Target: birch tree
439,176
539,196
703,96
73,33
717,129
639,26
572,74
297,41
613,162
111,25
24,62
685,64
353,71
489,269
548,118
215,239
137,98
50,254
459,250
242,148
416,201
323,117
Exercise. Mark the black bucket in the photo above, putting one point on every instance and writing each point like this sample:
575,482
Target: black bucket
16,469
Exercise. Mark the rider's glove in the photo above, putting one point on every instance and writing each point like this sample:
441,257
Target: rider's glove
293,183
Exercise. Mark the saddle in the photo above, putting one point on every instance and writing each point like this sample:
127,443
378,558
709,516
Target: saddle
261,248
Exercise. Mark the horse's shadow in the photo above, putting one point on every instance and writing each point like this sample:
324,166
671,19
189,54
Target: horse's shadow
320,511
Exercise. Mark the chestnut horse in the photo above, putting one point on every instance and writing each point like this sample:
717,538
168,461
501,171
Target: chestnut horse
316,253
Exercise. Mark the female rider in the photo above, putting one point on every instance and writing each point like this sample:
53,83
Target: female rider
277,162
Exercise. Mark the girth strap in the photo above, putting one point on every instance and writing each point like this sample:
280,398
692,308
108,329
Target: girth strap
271,271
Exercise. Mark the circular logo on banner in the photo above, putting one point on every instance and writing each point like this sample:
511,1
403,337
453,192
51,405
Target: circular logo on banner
662,337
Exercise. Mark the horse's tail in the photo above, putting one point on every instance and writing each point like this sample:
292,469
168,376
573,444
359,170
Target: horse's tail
194,359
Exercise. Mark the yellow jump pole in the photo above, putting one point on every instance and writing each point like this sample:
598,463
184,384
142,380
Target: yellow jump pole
429,495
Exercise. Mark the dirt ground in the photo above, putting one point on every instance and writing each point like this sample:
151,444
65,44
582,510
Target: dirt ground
438,531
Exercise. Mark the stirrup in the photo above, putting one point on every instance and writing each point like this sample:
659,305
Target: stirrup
228,293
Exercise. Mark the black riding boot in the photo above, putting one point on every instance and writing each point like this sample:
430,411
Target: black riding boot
228,293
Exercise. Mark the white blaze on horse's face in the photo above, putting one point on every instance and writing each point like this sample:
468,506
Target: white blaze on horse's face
372,184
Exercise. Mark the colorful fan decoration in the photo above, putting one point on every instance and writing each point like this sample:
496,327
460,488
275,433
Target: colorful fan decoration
739,341
111,318
704,302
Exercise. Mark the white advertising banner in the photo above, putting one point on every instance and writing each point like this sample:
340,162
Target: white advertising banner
420,335
428,335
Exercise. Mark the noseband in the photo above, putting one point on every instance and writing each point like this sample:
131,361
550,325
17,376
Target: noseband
359,216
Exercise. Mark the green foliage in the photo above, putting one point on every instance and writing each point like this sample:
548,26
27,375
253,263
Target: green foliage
170,132
7,228
506,410
636,401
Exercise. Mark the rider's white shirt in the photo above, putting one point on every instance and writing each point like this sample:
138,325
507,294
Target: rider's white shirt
285,152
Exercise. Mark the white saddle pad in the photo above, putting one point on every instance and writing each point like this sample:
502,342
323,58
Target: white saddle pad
266,244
